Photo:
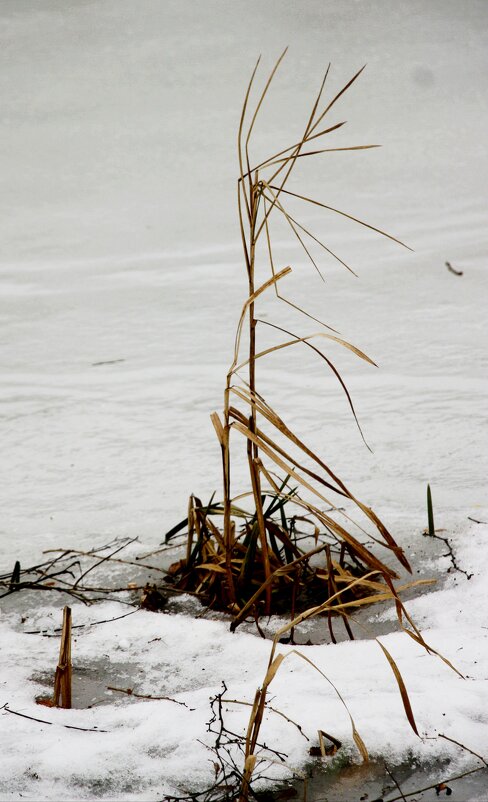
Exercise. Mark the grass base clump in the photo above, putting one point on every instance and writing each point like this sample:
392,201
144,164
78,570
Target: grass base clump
307,566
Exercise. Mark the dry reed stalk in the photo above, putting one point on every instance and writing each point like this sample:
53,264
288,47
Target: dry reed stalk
265,560
262,563
62,679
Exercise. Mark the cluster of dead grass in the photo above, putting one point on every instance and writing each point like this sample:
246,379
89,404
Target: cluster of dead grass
299,549
262,562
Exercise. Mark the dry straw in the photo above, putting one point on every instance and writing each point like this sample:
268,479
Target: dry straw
262,561
62,679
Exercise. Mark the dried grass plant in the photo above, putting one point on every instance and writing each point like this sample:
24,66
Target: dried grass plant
256,561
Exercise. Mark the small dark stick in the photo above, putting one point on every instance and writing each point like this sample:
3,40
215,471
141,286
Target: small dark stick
452,270
430,513
15,576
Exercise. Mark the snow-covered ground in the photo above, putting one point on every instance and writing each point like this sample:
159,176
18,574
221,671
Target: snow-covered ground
145,749
120,246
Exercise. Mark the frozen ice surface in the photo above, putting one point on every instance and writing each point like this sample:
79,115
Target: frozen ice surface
121,284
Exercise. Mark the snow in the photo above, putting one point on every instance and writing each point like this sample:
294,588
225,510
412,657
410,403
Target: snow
145,749
121,286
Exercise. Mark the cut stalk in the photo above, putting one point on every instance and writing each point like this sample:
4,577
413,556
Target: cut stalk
62,679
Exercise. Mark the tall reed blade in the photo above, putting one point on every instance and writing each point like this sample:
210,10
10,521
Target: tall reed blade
260,562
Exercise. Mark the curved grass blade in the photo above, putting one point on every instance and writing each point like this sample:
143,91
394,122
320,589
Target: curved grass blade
264,164
239,136
247,304
256,111
278,295
332,367
294,224
270,415
336,98
286,159
401,687
343,214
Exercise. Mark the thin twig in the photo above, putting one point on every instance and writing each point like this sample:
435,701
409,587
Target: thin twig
130,692
452,269
449,554
37,586
118,559
43,721
104,559
395,781
78,626
274,710
463,746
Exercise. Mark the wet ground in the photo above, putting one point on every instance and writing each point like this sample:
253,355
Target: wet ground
379,783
